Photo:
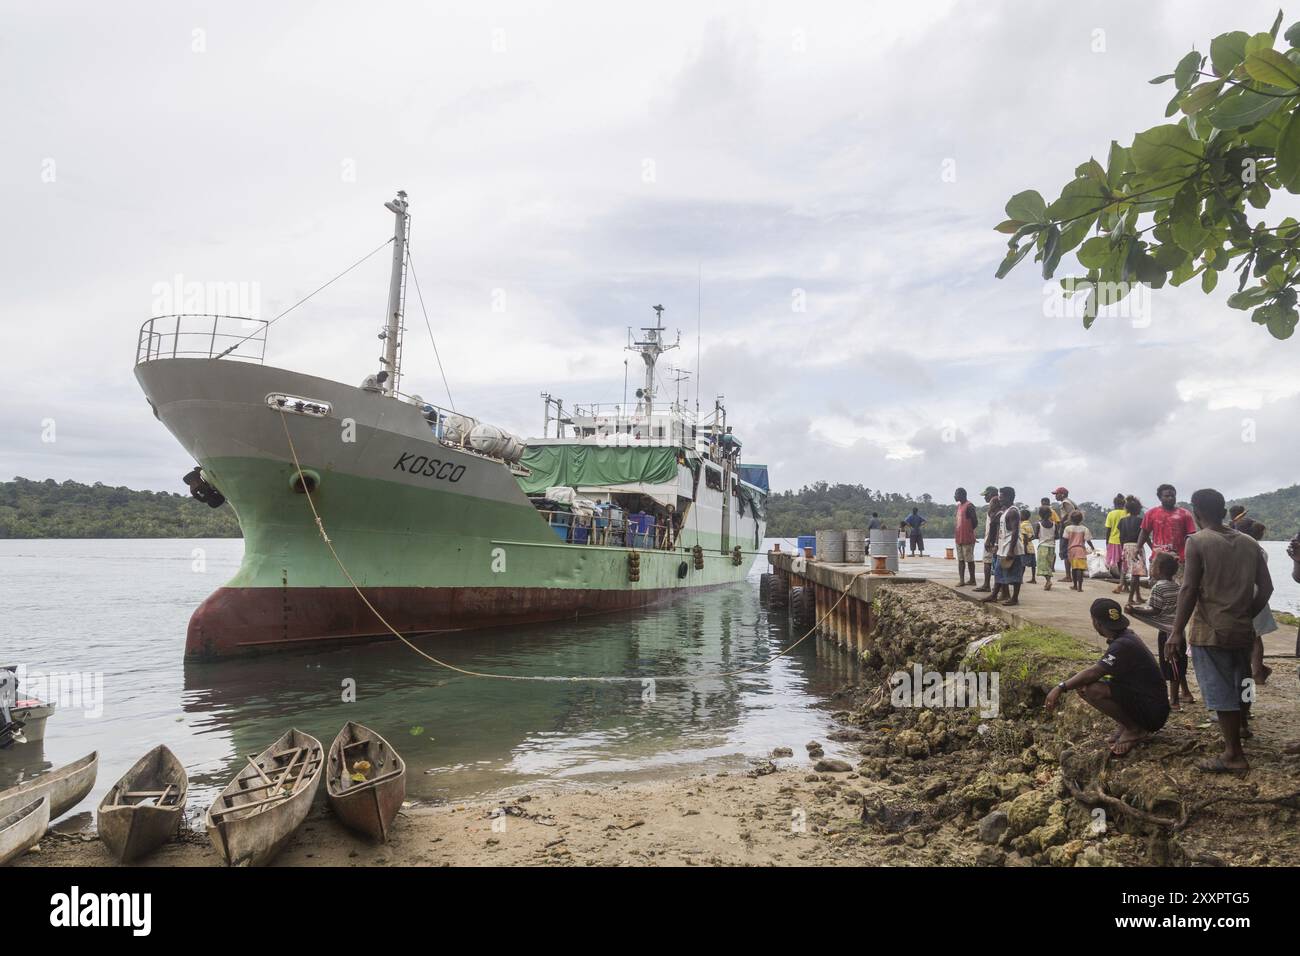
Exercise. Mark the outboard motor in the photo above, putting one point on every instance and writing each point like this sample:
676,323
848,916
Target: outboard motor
202,490
11,731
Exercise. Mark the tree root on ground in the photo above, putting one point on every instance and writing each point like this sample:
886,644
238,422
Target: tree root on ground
1097,795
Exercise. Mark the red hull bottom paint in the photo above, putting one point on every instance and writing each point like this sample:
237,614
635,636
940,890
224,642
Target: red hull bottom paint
234,622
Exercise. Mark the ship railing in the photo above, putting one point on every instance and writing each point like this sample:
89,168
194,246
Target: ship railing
202,336
576,529
633,412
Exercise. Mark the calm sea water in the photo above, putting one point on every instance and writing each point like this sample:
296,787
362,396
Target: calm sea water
117,611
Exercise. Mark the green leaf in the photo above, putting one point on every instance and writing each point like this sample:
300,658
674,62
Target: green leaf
1162,78
1209,279
1168,147
1185,72
1288,155
1227,50
1080,197
1185,217
1092,170
1260,41
1269,66
1277,25
1118,162
1096,252
1280,319
1199,97
1249,298
1170,256
1009,226
1243,107
1014,256
1027,206
1051,250
1292,34
1074,233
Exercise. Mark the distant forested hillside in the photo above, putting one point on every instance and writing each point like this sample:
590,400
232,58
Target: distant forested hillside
50,509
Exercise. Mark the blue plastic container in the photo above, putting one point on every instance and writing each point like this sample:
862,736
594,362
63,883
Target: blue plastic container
807,541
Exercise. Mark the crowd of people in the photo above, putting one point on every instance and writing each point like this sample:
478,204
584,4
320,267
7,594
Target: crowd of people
1209,589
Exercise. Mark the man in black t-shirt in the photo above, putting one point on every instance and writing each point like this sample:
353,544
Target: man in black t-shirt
1125,684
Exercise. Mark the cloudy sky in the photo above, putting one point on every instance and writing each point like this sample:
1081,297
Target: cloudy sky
832,171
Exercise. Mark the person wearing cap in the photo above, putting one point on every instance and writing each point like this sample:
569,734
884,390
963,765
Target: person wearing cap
990,495
964,525
1225,585
1125,684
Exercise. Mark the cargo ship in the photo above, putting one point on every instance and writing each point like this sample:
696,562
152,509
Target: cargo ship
445,523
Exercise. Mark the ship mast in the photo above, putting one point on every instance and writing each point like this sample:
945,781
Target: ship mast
396,294
650,348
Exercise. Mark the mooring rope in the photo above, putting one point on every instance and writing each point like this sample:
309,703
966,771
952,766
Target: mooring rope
320,526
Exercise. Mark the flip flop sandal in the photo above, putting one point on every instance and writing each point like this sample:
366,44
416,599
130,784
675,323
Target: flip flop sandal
1218,766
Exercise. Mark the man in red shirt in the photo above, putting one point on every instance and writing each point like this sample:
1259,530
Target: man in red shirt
1166,527
964,536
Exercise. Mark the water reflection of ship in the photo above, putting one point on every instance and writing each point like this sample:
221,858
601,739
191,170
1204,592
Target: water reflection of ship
442,721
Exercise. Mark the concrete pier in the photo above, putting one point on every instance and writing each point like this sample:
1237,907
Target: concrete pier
849,623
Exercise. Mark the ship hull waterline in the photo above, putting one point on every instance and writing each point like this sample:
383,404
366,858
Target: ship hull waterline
235,622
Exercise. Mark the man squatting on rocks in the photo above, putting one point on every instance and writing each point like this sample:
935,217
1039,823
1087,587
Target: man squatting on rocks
1125,684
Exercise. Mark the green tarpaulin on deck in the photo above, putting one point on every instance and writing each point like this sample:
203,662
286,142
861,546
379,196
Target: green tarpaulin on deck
582,466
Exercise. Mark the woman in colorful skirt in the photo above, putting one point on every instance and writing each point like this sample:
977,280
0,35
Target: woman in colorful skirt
1134,565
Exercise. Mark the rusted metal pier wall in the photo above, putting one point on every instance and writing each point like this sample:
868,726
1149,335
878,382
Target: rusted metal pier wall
850,624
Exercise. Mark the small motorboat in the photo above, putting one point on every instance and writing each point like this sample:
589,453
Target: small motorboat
144,809
23,828
267,800
22,719
365,781
66,786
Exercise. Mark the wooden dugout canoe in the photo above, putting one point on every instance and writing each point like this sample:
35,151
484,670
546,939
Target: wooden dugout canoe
66,786
144,809
367,806
267,800
23,828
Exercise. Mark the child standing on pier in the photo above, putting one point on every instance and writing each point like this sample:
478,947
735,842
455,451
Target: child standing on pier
1048,531
1078,542
1159,613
